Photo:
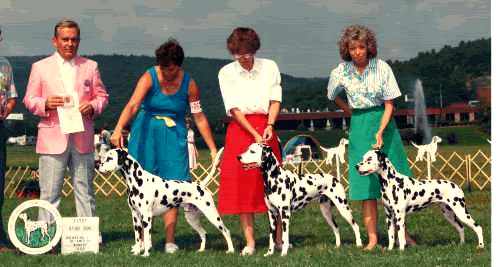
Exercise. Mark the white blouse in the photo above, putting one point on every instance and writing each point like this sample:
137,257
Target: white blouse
250,91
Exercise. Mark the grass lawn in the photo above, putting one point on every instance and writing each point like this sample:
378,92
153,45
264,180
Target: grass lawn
312,238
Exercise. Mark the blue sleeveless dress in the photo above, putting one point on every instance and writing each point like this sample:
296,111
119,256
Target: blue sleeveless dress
160,149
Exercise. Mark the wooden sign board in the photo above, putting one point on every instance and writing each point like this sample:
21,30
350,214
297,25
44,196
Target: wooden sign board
80,234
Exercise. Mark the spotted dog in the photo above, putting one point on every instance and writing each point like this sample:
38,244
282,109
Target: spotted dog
286,192
402,194
338,151
430,149
149,195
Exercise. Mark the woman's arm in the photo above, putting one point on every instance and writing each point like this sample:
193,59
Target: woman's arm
142,88
386,118
200,119
343,105
243,122
274,110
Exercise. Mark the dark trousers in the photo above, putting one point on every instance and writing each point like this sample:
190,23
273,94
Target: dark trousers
3,162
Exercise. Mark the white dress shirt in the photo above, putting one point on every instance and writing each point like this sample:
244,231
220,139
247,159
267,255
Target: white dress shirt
250,91
67,69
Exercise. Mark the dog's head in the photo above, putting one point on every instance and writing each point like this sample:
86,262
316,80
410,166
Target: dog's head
436,139
343,142
256,155
372,162
23,216
112,160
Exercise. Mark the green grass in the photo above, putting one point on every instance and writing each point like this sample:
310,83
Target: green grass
314,242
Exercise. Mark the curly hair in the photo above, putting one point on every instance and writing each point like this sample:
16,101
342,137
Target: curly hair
357,33
243,38
170,52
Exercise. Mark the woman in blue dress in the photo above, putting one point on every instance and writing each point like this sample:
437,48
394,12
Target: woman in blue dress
158,136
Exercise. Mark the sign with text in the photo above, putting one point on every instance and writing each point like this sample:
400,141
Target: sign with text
80,234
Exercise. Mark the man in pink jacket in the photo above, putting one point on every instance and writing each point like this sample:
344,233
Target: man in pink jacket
62,74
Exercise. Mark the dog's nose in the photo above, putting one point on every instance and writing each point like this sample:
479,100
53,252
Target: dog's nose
238,157
357,167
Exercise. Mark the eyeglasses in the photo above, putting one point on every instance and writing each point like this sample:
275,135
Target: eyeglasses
245,56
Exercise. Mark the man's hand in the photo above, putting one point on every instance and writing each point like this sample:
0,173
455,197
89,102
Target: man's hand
86,109
53,102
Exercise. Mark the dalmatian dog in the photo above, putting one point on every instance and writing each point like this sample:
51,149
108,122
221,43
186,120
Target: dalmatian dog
286,192
149,195
336,151
402,194
31,226
430,148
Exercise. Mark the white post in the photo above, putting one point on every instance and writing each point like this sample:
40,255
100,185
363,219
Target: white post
428,165
337,164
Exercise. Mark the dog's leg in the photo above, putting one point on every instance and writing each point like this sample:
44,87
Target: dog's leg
139,245
399,220
273,223
285,226
464,216
213,216
339,199
391,233
147,220
193,218
451,218
325,207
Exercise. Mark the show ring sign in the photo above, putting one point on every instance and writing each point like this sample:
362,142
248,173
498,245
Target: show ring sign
80,234
30,236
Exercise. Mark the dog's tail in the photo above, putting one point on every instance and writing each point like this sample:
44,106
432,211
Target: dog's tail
214,167
323,148
415,145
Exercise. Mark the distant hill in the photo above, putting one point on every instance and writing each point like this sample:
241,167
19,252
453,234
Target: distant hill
447,69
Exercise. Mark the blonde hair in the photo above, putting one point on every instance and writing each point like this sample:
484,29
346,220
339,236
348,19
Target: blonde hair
357,33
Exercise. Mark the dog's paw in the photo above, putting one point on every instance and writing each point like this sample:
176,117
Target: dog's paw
283,253
480,246
230,251
201,250
135,250
269,252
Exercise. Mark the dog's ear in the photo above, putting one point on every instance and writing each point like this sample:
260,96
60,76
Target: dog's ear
381,156
122,156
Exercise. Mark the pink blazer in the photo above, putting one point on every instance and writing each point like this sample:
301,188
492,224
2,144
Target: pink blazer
45,80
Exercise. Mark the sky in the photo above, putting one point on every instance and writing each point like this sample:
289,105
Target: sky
301,36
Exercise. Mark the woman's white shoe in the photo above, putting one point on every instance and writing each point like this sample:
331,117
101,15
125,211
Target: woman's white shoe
247,251
171,248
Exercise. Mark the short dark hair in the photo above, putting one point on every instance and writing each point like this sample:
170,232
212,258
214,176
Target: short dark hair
66,23
357,33
170,52
243,38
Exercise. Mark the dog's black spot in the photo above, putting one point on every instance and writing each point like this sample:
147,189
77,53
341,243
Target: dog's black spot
200,190
208,203
176,191
141,195
164,201
156,193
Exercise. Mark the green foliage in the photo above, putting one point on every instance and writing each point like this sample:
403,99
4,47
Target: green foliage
449,69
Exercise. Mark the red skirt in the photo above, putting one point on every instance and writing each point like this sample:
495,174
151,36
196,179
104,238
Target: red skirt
242,191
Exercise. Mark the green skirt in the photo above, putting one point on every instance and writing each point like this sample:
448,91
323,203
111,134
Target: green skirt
364,125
